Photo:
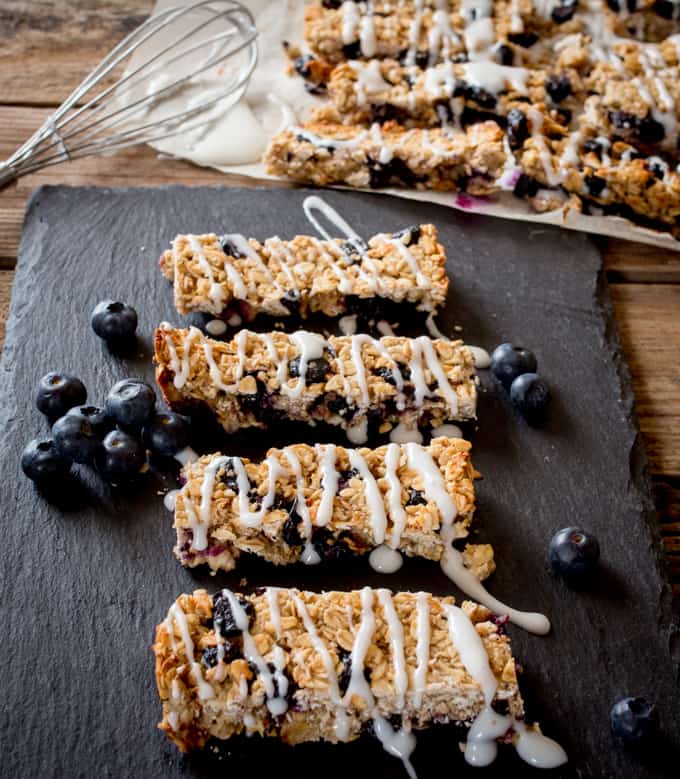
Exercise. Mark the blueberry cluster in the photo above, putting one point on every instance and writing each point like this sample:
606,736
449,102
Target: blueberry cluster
515,368
114,439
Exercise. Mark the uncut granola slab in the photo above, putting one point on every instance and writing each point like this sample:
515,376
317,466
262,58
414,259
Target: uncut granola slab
305,666
259,379
234,275
584,94
324,502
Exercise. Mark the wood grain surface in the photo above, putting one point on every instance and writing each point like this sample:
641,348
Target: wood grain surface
48,47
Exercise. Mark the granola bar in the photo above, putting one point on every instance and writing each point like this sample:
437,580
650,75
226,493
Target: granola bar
314,503
229,274
326,153
258,379
305,666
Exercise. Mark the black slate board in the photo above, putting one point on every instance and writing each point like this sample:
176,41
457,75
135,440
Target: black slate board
83,588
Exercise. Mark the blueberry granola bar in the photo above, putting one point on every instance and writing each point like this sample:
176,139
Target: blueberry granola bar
229,274
305,666
258,379
324,502
584,93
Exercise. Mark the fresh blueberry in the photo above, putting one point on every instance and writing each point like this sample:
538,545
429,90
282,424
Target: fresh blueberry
167,433
58,392
224,619
114,321
79,433
633,720
121,457
130,403
508,362
42,462
573,554
530,395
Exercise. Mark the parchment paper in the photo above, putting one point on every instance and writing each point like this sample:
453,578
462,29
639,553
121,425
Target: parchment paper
243,131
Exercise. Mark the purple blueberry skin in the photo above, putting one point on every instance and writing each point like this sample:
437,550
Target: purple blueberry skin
167,433
574,554
509,361
633,720
79,433
59,392
42,462
130,403
121,457
114,321
530,395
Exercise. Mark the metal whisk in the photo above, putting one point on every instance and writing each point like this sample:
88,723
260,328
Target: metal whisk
209,47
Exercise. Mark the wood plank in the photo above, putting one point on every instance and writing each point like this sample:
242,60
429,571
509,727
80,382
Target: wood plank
649,326
49,47
638,262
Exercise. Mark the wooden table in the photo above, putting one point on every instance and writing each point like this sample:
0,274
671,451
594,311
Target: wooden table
48,47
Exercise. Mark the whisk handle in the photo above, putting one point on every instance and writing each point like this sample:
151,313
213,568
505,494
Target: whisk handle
7,174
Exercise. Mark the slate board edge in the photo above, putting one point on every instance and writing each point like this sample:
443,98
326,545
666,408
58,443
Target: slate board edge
640,476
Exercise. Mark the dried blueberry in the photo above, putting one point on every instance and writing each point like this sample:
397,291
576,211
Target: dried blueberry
209,657
290,533
223,617
657,167
595,146
525,186
228,477
666,9
345,476
301,65
229,247
595,184
328,547
646,130
517,129
475,94
413,234
332,4
416,497
58,392
634,720
352,51
387,376
558,87
338,405
316,369
291,299
524,39
564,12
505,55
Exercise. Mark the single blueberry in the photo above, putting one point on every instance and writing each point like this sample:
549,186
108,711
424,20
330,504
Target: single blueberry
114,321
79,433
517,128
563,12
167,433
42,462
595,184
509,361
558,87
290,532
633,720
130,403
121,457
573,554
416,497
530,395
58,392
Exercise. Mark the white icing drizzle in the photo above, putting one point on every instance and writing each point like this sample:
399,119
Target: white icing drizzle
272,594
329,483
404,434
275,684
480,357
394,498
235,279
186,456
374,498
367,39
493,78
180,367
311,347
244,248
350,21
216,327
279,251
423,346
433,330
481,748
176,615
309,554
422,647
170,499
370,80
536,125
396,637
348,324
385,560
